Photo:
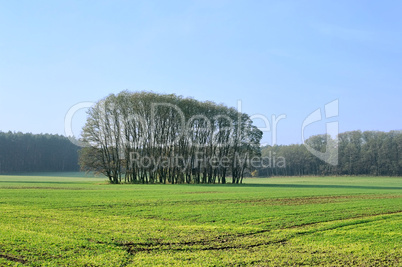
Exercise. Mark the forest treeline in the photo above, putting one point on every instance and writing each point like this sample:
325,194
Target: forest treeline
26,152
359,153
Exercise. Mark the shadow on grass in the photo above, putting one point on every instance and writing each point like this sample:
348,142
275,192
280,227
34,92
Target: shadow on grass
305,186
234,185
37,182
323,186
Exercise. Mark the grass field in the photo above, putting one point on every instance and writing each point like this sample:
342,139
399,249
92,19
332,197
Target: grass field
60,221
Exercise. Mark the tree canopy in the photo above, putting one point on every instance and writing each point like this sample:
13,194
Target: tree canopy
145,137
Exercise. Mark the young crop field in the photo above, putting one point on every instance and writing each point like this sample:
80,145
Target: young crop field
77,221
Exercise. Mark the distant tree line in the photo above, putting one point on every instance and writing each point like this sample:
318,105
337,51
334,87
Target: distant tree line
131,139
146,137
26,152
359,153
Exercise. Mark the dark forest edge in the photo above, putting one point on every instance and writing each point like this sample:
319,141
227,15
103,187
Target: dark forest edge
27,152
371,153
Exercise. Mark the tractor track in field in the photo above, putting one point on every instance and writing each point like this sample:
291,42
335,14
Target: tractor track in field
205,245
311,200
13,258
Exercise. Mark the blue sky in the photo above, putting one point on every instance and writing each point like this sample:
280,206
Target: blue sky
277,57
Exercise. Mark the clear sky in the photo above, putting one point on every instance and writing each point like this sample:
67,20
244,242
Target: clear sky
277,57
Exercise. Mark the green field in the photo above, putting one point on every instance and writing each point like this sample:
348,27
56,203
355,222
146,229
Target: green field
60,221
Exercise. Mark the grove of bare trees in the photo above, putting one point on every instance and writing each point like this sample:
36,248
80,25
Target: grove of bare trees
146,137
